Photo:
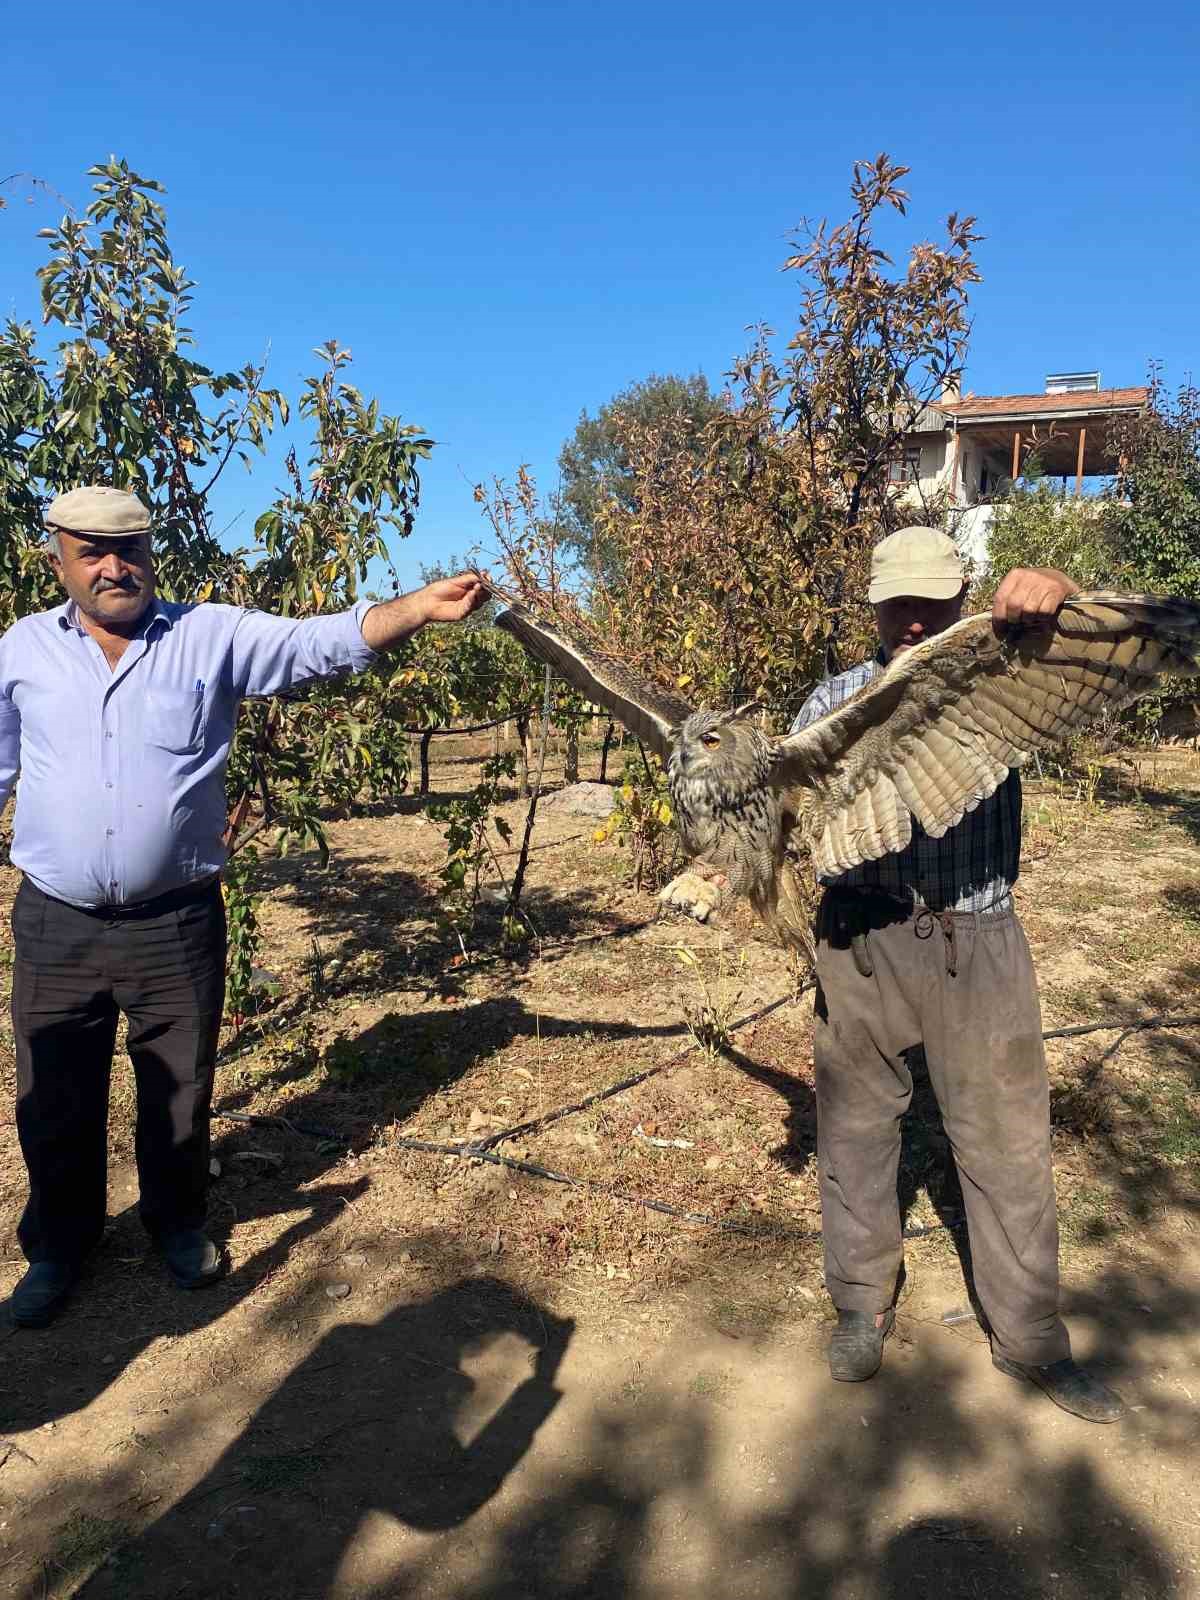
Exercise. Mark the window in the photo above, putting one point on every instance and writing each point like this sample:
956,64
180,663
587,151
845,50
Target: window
905,468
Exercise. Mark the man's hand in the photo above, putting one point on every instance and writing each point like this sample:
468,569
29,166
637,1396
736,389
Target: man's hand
1030,595
446,600
451,599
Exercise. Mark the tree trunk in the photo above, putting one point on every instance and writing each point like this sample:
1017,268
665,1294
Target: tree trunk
571,764
426,739
523,754
604,749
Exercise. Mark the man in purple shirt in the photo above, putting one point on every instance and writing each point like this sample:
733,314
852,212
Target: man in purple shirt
117,709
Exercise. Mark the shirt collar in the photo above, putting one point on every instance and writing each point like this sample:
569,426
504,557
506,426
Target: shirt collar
68,617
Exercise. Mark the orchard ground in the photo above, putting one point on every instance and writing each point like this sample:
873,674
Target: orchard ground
430,1377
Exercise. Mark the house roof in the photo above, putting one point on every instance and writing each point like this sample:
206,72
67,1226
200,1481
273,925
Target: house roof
994,407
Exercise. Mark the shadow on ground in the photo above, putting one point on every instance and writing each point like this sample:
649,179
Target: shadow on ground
375,1471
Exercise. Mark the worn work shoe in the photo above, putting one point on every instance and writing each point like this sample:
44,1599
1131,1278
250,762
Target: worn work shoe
192,1258
42,1293
856,1348
1070,1386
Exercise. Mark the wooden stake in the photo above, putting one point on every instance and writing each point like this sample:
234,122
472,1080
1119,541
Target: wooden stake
1079,464
1016,455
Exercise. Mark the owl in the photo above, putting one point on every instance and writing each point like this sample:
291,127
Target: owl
931,736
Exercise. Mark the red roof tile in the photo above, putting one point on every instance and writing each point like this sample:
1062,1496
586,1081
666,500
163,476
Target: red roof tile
1006,405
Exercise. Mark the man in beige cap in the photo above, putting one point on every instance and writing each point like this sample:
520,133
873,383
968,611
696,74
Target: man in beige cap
923,948
117,709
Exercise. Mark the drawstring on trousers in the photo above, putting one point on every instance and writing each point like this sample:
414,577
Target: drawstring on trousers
923,926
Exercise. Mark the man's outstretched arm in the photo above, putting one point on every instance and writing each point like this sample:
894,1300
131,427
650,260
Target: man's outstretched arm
447,600
270,654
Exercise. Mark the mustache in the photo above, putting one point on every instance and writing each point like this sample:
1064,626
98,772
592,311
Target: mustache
124,586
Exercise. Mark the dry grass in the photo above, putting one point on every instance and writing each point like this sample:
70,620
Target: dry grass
375,1027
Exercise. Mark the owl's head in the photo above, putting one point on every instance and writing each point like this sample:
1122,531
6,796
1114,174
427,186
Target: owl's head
719,745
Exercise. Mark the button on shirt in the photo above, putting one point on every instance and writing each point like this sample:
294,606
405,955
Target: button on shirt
971,868
121,794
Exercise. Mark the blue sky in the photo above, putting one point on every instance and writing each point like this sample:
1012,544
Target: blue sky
509,212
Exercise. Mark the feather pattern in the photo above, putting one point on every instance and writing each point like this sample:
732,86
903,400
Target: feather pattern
946,720
931,737
650,713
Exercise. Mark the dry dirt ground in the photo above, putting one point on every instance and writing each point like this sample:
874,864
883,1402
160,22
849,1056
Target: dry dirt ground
430,1378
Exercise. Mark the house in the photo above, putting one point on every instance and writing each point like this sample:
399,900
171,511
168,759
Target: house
969,450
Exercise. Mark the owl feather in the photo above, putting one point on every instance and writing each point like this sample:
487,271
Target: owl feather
930,738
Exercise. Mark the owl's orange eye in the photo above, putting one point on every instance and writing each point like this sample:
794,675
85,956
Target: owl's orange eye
710,741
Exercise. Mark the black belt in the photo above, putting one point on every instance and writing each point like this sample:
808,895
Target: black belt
856,911
173,900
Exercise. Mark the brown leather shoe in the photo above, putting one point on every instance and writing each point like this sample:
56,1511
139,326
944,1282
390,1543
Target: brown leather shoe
856,1347
1070,1386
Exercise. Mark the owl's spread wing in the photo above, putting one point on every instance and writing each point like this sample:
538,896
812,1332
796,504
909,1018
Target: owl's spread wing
938,731
650,713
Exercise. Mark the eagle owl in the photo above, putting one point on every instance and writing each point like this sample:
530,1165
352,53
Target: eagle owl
930,737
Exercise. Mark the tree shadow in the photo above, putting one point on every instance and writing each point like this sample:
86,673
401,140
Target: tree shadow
382,1074
1168,805
658,1506
913,1485
124,1302
387,931
1141,1129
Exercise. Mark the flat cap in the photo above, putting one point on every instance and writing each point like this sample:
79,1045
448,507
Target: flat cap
103,512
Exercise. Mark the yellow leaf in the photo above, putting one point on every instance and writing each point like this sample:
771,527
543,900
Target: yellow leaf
599,836
205,590
664,814
318,594
627,794
689,640
682,681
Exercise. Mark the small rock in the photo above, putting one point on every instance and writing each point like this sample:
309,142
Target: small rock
337,1291
214,1168
582,800
355,1259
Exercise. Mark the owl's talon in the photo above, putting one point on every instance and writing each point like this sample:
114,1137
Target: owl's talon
691,893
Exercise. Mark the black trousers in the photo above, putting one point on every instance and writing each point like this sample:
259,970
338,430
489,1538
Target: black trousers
163,965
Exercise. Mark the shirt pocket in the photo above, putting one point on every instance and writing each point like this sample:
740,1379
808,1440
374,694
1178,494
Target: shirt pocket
173,719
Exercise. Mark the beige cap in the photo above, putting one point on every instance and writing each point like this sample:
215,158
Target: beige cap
918,561
100,511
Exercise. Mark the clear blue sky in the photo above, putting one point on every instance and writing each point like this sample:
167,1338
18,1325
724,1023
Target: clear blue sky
510,211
